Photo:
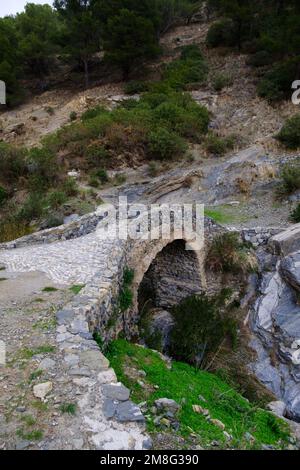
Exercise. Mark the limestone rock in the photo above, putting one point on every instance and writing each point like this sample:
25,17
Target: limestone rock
94,360
116,392
167,404
41,390
277,407
46,364
286,242
128,411
202,411
290,269
218,423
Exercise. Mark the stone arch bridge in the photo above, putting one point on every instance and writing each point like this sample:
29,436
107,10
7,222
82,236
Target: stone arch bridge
74,254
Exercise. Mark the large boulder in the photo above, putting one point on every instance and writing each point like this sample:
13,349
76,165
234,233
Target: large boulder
286,242
290,269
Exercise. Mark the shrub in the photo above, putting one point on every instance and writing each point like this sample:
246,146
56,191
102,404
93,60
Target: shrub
221,81
126,295
12,229
94,181
73,116
295,215
101,175
92,113
164,144
3,195
12,163
57,199
43,168
53,221
203,325
33,208
276,84
136,87
190,69
218,145
69,187
228,254
221,33
289,135
260,59
97,155
290,176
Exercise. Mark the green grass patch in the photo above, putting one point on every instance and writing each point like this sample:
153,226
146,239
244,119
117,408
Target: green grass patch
77,288
45,325
69,408
39,406
28,420
35,375
49,289
184,384
27,353
35,435
3,279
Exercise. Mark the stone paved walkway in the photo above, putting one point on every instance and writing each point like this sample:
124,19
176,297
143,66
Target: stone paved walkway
67,262
72,362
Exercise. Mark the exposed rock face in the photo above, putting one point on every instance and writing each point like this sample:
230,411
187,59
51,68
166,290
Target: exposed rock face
275,320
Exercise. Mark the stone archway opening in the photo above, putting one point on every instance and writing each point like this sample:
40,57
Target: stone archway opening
173,275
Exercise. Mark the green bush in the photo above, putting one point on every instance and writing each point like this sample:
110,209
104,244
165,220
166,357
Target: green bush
94,181
228,254
136,87
53,221
101,175
289,135
203,325
222,33
295,215
73,116
97,155
93,112
218,145
259,59
165,144
290,176
126,294
56,199
12,163
190,69
221,80
69,187
33,208
276,84
3,195
43,168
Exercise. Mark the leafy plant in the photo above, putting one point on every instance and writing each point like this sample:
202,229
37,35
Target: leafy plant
290,176
221,80
219,145
289,135
69,408
295,215
228,254
203,325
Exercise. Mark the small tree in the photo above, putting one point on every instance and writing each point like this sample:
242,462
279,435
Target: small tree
37,28
130,39
200,327
82,33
